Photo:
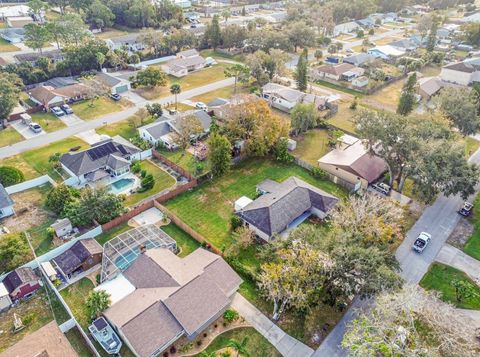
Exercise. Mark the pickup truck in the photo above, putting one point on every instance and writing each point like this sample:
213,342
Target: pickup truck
421,242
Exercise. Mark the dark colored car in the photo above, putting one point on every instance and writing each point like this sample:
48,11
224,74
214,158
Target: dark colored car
466,210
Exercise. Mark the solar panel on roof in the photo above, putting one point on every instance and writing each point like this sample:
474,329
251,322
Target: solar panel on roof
100,323
96,153
122,150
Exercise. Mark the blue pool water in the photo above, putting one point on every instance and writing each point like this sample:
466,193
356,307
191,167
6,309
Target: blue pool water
124,261
121,185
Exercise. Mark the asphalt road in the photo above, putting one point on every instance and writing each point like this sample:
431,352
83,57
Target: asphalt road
111,118
439,220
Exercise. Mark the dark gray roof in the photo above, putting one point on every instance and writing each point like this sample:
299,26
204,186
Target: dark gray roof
18,277
201,115
87,161
108,80
126,40
33,56
145,273
59,82
403,43
274,211
358,59
5,199
71,259
462,67
158,129
217,102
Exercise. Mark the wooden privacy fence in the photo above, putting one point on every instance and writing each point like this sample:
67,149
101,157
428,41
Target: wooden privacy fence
127,216
172,165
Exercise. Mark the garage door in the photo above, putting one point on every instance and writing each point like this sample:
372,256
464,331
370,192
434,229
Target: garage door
122,89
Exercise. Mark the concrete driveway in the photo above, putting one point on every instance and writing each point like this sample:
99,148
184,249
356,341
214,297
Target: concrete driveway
70,119
24,130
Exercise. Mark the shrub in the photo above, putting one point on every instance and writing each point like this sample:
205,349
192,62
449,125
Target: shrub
226,354
205,334
199,342
235,222
28,318
143,173
173,349
10,176
136,168
230,315
318,173
147,182
97,278
165,354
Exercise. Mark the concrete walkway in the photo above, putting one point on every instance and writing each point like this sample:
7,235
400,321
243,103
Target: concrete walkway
456,258
285,344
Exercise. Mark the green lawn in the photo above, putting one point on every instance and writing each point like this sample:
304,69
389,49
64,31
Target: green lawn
225,93
257,345
40,238
185,242
312,146
48,121
222,56
75,296
78,343
339,88
124,128
471,145
101,106
162,181
37,159
183,159
343,119
472,247
208,208
6,46
439,277
9,136
112,233
190,81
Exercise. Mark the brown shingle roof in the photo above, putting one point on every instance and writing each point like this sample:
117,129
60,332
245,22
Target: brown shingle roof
335,69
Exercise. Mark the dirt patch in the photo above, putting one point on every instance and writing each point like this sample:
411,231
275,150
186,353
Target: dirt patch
29,210
203,198
462,232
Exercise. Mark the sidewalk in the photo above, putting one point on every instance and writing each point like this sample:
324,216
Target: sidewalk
456,258
284,343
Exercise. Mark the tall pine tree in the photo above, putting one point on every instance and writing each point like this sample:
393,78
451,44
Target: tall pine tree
302,69
407,99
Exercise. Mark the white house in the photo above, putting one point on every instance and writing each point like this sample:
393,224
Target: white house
345,28
62,227
131,42
386,52
463,73
6,203
117,85
360,82
159,132
337,72
5,301
186,61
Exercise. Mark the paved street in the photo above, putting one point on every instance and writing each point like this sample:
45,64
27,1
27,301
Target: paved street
439,220
111,118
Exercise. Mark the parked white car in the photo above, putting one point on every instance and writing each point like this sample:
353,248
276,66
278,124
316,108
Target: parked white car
421,242
35,127
200,105
57,111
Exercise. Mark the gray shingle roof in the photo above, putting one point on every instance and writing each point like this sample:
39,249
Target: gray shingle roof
201,115
145,273
158,129
5,200
274,211
107,79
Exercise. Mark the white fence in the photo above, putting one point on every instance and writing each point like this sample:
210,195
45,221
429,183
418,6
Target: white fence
26,185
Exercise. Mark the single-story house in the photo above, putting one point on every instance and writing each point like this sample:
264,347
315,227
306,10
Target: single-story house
14,10
285,98
351,162
49,97
359,59
161,297
81,256
21,282
427,87
404,45
47,341
6,203
202,116
345,28
463,73
62,227
131,42
32,57
418,40
443,33
117,85
186,61
386,52
18,22
13,35
366,23
360,82
344,71
217,102
102,161
5,301
283,206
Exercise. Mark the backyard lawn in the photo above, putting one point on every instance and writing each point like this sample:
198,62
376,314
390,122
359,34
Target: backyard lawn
183,159
343,119
112,233
222,56
312,146
101,106
75,296
6,46
185,242
48,121
162,181
439,277
257,344
192,80
37,159
225,93
209,208
9,136
78,343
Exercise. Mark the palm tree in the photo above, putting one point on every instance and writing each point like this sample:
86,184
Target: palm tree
97,301
175,89
240,347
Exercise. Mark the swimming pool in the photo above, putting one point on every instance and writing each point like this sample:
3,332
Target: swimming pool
128,257
121,185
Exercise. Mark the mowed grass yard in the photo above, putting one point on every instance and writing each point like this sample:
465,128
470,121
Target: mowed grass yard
192,80
48,121
162,181
312,146
208,208
125,128
343,119
472,247
9,136
181,158
6,46
440,277
88,110
225,93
